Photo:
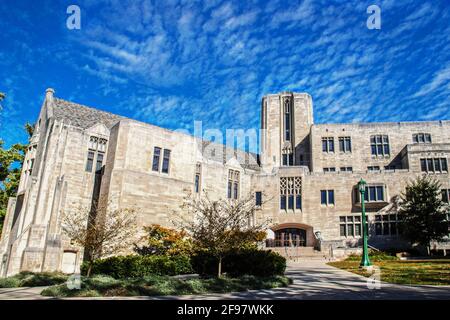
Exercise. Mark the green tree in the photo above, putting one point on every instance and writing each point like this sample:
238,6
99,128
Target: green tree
423,213
11,161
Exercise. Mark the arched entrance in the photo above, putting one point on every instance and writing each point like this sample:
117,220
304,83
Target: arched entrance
290,237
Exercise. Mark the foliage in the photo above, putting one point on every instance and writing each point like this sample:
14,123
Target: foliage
220,226
422,212
132,266
11,161
30,279
410,272
241,262
163,285
164,241
100,230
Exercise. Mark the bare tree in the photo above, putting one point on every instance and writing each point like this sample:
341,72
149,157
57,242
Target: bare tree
222,225
100,231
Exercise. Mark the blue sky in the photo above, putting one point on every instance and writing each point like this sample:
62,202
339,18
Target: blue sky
172,62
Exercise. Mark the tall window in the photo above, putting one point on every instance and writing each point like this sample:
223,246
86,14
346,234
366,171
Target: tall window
233,184
288,159
380,145
166,161
258,198
350,226
386,225
422,138
287,120
328,144
435,165
96,152
327,197
99,162
90,161
197,179
290,193
156,157
345,144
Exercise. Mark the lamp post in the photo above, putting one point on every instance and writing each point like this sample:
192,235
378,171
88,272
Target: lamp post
365,262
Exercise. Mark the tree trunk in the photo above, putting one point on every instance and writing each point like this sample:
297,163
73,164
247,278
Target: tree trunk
89,270
428,250
219,273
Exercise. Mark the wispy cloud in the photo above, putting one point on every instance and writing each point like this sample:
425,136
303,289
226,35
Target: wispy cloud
173,62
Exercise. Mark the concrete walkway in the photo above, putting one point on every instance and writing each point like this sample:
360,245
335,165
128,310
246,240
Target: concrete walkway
312,280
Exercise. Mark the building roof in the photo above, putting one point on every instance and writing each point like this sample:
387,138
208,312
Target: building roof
82,116
85,117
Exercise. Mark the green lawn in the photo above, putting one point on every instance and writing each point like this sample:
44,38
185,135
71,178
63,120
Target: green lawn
409,272
98,286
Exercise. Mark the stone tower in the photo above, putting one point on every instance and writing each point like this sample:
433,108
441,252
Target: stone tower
286,120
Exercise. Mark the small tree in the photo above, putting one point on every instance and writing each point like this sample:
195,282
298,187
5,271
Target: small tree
100,231
423,213
220,226
164,241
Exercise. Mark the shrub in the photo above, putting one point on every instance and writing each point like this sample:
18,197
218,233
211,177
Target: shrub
260,263
31,279
133,266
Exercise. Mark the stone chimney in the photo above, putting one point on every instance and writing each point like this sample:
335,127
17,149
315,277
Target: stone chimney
49,94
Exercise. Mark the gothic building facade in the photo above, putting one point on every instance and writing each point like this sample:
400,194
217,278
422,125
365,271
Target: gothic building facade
305,177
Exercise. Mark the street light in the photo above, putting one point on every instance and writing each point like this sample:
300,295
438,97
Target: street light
365,262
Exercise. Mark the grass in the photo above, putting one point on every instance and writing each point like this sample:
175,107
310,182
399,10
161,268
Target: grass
407,272
105,286
30,279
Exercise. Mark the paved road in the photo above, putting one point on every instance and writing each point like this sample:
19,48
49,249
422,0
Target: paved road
312,280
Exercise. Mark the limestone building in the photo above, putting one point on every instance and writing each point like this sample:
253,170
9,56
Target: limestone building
308,174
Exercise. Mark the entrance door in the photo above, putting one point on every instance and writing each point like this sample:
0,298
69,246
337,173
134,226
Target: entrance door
290,237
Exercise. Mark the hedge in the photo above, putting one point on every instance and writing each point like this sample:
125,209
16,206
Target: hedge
133,266
260,263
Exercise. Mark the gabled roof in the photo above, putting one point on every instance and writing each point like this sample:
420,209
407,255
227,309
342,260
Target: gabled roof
82,116
85,117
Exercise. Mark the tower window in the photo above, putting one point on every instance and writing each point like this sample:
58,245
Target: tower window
287,120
